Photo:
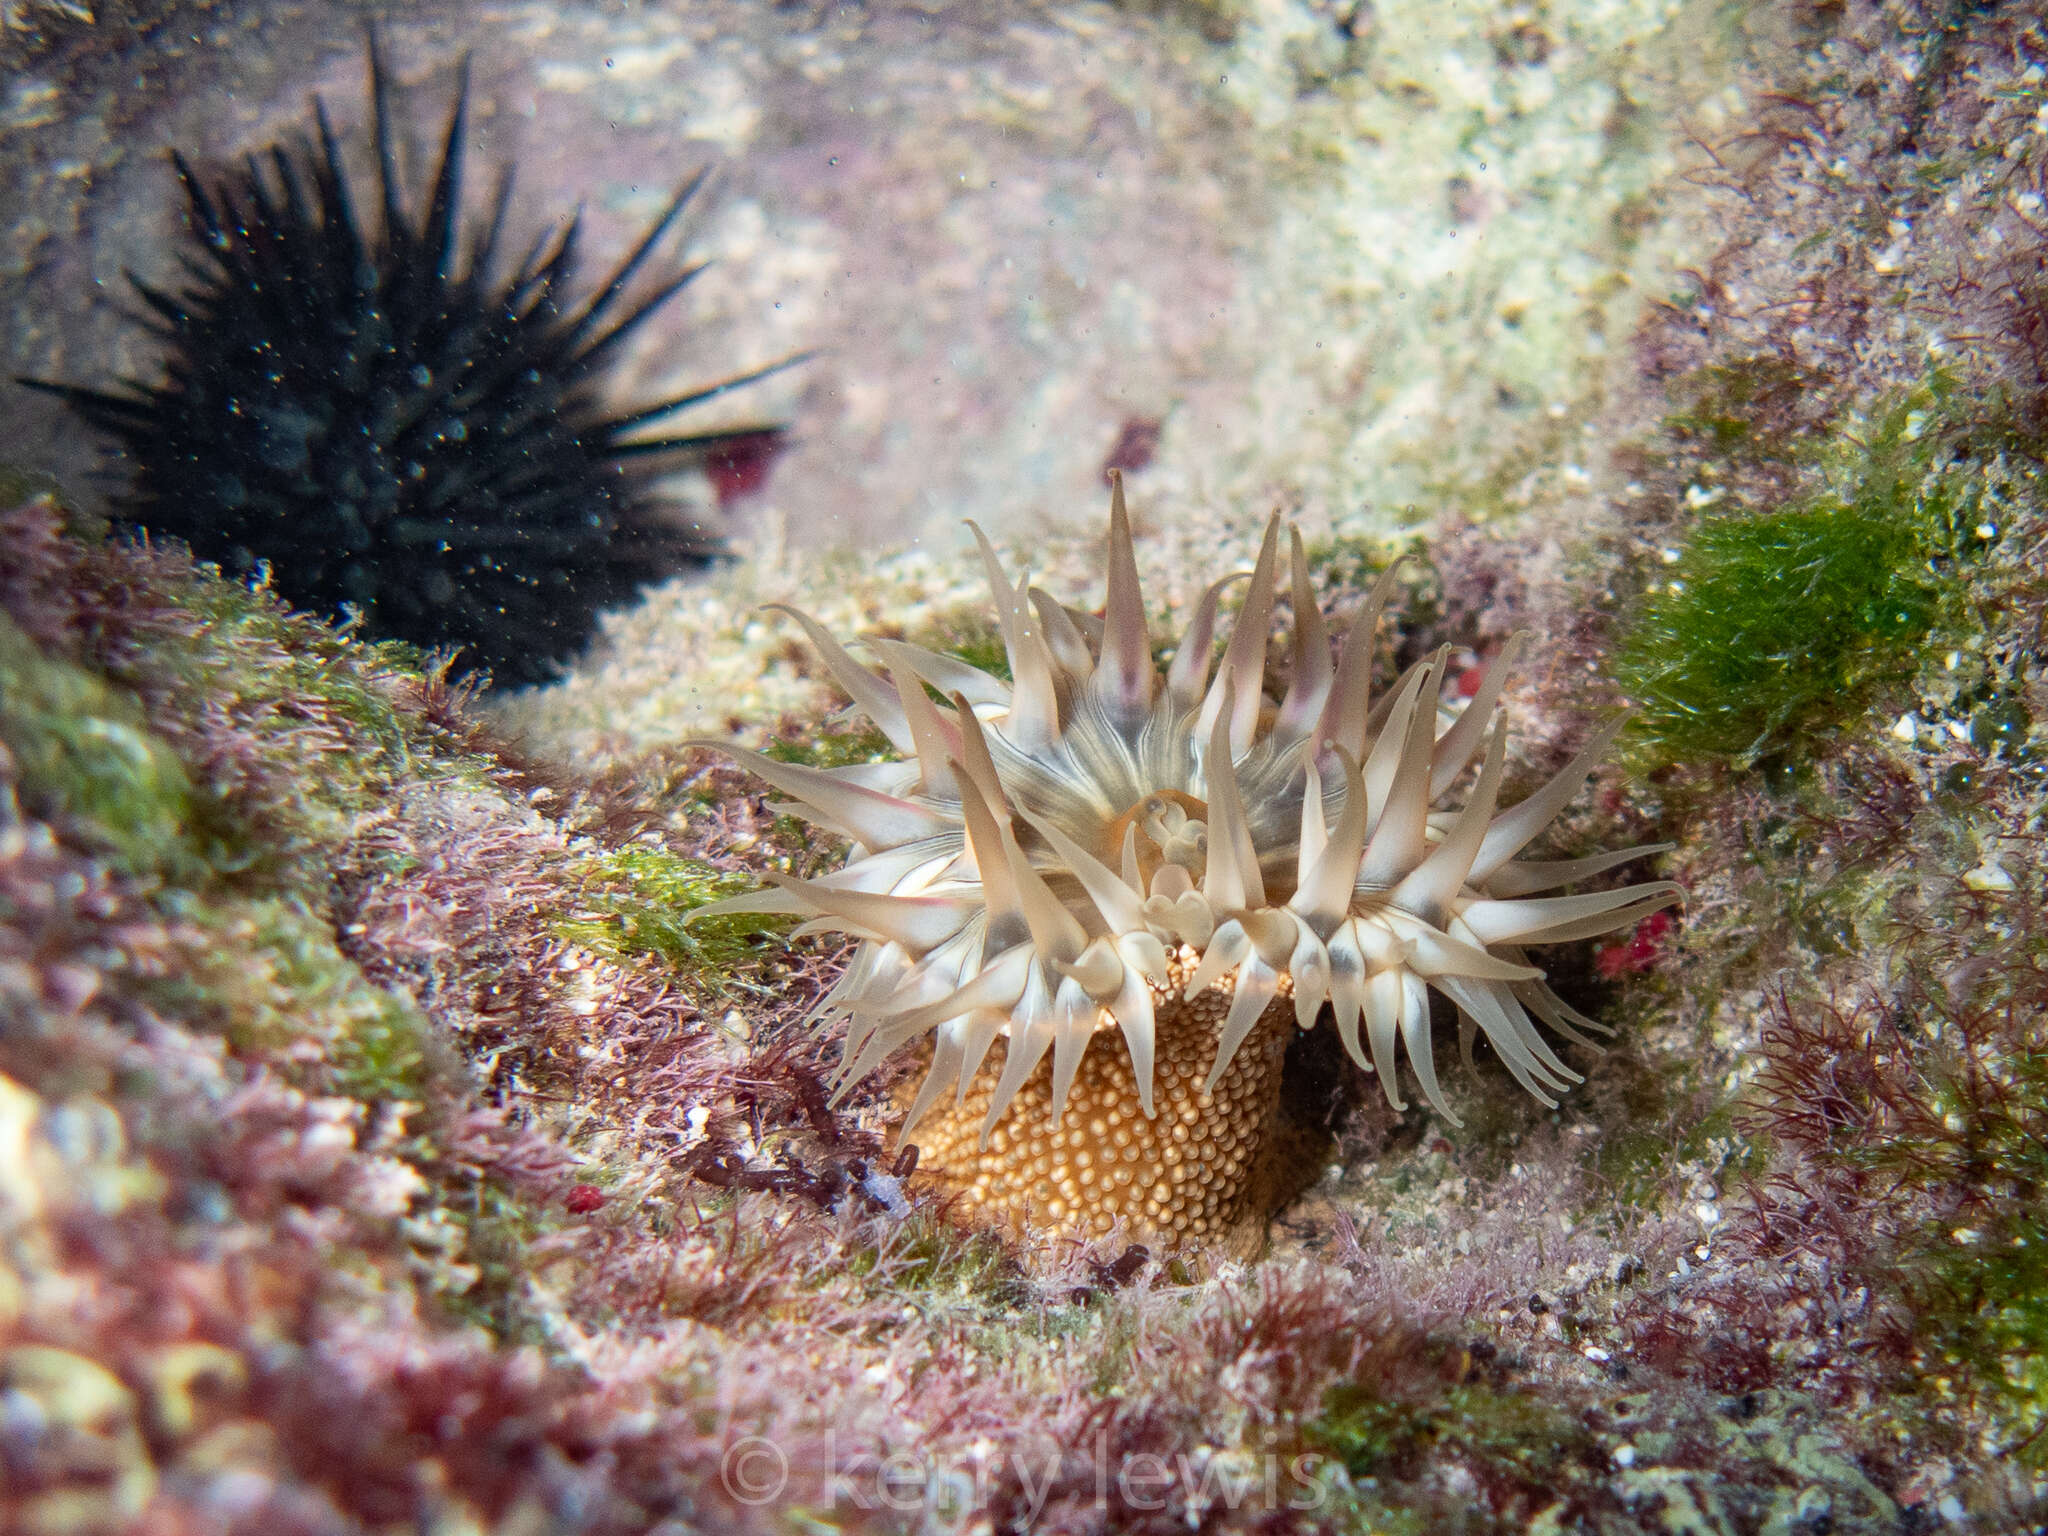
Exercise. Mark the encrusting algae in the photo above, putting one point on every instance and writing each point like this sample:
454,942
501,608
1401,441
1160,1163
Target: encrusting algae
1092,848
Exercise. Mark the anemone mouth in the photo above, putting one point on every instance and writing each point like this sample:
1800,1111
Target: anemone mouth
1149,814
1047,845
1166,826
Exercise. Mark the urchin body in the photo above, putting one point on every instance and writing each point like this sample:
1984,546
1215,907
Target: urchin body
1093,859
394,419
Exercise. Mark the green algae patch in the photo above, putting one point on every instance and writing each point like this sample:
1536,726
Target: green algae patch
266,974
1664,1124
1746,409
1982,1290
641,902
305,730
1778,627
499,1230
832,749
1775,626
87,761
263,970
1353,564
1995,1323
924,1255
971,636
1919,1115
1514,1435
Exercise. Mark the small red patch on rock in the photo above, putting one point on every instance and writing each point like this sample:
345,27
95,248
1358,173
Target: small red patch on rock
740,467
583,1199
1639,951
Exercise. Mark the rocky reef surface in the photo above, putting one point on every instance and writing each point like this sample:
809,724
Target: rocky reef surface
379,1151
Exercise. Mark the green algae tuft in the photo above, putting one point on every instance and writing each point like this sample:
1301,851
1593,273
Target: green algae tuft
1773,630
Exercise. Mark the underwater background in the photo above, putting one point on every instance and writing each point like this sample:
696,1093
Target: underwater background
380,1150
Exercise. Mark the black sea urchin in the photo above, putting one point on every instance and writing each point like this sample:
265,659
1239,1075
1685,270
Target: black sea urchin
391,424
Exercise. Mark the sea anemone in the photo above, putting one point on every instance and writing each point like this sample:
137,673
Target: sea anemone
396,425
1092,849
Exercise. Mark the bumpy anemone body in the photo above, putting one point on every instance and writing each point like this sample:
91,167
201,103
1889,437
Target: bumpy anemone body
398,421
1102,900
